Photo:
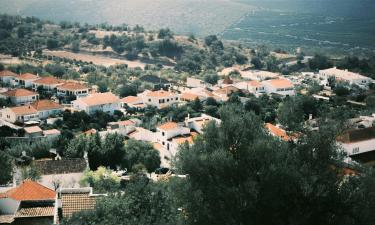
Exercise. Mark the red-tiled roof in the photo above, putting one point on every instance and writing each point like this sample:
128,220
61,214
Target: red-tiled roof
168,126
280,83
160,94
99,99
19,93
188,96
27,76
7,73
278,132
42,105
30,190
48,80
131,99
23,110
71,86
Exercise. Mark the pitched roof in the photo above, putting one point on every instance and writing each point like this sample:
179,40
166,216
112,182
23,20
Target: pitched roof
183,139
33,129
46,211
19,93
254,83
7,73
51,132
76,200
168,126
23,110
42,105
278,132
227,90
131,99
189,96
160,94
48,80
72,86
99,99
358,135
280,83
27,76
30,190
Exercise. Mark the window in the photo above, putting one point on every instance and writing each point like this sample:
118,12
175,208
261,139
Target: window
162,133
355,150
149,99
176,98
163,143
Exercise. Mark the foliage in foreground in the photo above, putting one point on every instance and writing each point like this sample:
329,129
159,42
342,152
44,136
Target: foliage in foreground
238,174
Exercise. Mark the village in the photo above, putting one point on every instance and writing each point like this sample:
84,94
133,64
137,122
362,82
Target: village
74,132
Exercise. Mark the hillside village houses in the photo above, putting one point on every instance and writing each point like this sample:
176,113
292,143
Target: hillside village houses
46,83
279,86
20,96
105,102
47,108
160,99
72,89
19,114
6,77
24,80
347,76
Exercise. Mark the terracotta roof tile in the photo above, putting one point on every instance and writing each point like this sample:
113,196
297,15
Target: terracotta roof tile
42,105
33,129
71,86
30,190
27,76
99,99
76,202
47,211
160,94
19,93
48,80
278,132
188,96
131,99
23,110
7,73
168,126
280,83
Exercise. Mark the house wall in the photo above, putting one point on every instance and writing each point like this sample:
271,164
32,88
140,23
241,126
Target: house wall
359,147
8,206
77,93
8,115
24,100
47,113
160,102
282,91
6,79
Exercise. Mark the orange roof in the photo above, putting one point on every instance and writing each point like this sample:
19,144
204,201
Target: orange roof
168,126
189,139
23,110
125,123
278,132
33,129
227,90
46,105
7,73
99,99
27,76
48,80
189,96
91,131
280,83
254,83
131,99
19,93
160,94
71,86
30,190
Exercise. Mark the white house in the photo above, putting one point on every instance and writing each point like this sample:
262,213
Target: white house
167,131
47,83
252,86
198,123
47,108
359,141
20,96
6,76
25,80
132,102
19,114
223,94
159,99
105,102
124,127
259,75
279,86
33,131
72,89
347,76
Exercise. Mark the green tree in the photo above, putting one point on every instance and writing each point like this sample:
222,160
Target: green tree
290,113
52,43
102,180
137,152
76,46
6,168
